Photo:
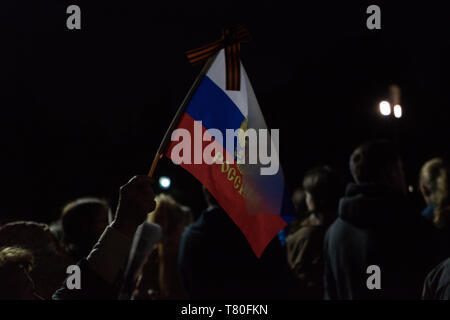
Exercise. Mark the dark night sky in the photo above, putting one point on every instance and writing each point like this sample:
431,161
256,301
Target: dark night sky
83,111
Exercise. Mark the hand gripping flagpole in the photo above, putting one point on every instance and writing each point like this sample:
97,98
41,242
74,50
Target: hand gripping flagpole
231,39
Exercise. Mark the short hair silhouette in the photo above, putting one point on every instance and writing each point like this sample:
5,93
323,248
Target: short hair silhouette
371,160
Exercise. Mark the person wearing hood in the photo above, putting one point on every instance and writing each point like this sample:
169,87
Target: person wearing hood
376,230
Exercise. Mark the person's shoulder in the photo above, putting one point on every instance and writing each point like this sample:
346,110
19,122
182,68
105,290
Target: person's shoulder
331,230
341,229
337,225
194,230
443,268
305,231
446,264
437,281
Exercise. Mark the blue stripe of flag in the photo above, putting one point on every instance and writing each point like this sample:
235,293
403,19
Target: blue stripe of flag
214,108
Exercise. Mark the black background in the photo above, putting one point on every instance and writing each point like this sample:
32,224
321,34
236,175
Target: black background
84,110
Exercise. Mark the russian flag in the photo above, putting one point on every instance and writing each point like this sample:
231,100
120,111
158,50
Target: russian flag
258,204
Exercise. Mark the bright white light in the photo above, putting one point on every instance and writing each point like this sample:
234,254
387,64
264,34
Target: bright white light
397,111
164,182
385,108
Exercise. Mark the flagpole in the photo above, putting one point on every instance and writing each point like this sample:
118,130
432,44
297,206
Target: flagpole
178,115
166,139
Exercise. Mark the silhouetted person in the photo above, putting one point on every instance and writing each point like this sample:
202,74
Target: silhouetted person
434,186
437,284
15,281
304,246
428,176
301,212
50,259
83,222
441,199
217,262
376,227
102,271
160,278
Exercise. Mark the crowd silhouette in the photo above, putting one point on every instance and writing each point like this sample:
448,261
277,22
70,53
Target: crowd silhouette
339,231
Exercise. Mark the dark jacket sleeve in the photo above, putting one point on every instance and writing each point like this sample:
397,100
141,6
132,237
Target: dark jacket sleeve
437,283
102,270
92,287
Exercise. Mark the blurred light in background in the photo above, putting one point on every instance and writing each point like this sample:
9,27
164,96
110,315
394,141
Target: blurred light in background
385,108
164,182
398,111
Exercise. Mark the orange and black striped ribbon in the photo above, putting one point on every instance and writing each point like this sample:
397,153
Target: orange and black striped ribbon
231,39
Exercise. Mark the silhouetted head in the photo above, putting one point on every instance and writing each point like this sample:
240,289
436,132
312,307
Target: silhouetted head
428,178
324,188
15,267
171,216
49,257
378,162
299,201
83,222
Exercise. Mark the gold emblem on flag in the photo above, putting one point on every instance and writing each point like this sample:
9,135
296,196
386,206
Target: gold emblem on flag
241,143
